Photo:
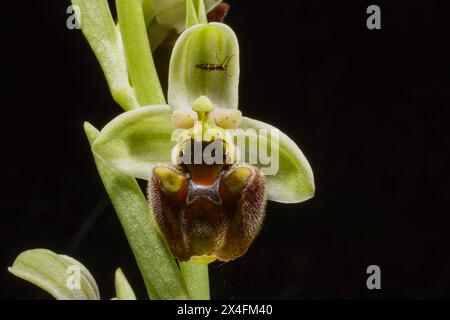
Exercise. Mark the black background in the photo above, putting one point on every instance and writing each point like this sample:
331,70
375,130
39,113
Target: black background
369,108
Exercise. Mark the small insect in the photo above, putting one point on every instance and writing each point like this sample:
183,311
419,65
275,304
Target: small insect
221,66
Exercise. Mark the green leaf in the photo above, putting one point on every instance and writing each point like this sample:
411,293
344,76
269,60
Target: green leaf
136,140
100,31
161,274
141,68
123,288
213,43
61,276
196,278
289,177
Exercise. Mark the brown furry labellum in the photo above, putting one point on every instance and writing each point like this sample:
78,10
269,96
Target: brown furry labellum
219,216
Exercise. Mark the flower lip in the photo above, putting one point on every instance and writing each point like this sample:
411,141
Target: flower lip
220,220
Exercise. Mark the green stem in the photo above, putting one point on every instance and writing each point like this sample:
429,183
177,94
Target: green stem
160,272
196,278
141,68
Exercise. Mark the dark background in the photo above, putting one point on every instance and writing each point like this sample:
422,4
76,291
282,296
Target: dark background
370,110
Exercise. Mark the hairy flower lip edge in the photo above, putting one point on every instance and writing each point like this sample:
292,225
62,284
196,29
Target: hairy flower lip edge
233,231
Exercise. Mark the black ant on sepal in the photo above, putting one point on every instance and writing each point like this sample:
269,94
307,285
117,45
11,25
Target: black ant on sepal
221,66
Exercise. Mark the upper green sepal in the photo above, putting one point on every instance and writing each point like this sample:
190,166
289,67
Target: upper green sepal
136,140
205,62
61,276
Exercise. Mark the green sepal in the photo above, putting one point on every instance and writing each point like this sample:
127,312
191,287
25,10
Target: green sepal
191,73
290,181
136,140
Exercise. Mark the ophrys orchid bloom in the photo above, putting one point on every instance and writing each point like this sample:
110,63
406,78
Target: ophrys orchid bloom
213,207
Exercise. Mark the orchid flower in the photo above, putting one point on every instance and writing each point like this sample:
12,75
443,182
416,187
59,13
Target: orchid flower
141,142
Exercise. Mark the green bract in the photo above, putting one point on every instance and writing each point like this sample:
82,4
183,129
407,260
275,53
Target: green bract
61,276
135,141
130,72
123,288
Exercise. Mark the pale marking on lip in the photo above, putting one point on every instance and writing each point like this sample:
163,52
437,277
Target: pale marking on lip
209,192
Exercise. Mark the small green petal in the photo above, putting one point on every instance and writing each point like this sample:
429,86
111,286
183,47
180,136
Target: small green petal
123,288
191,73
288,180
136,140
61,276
